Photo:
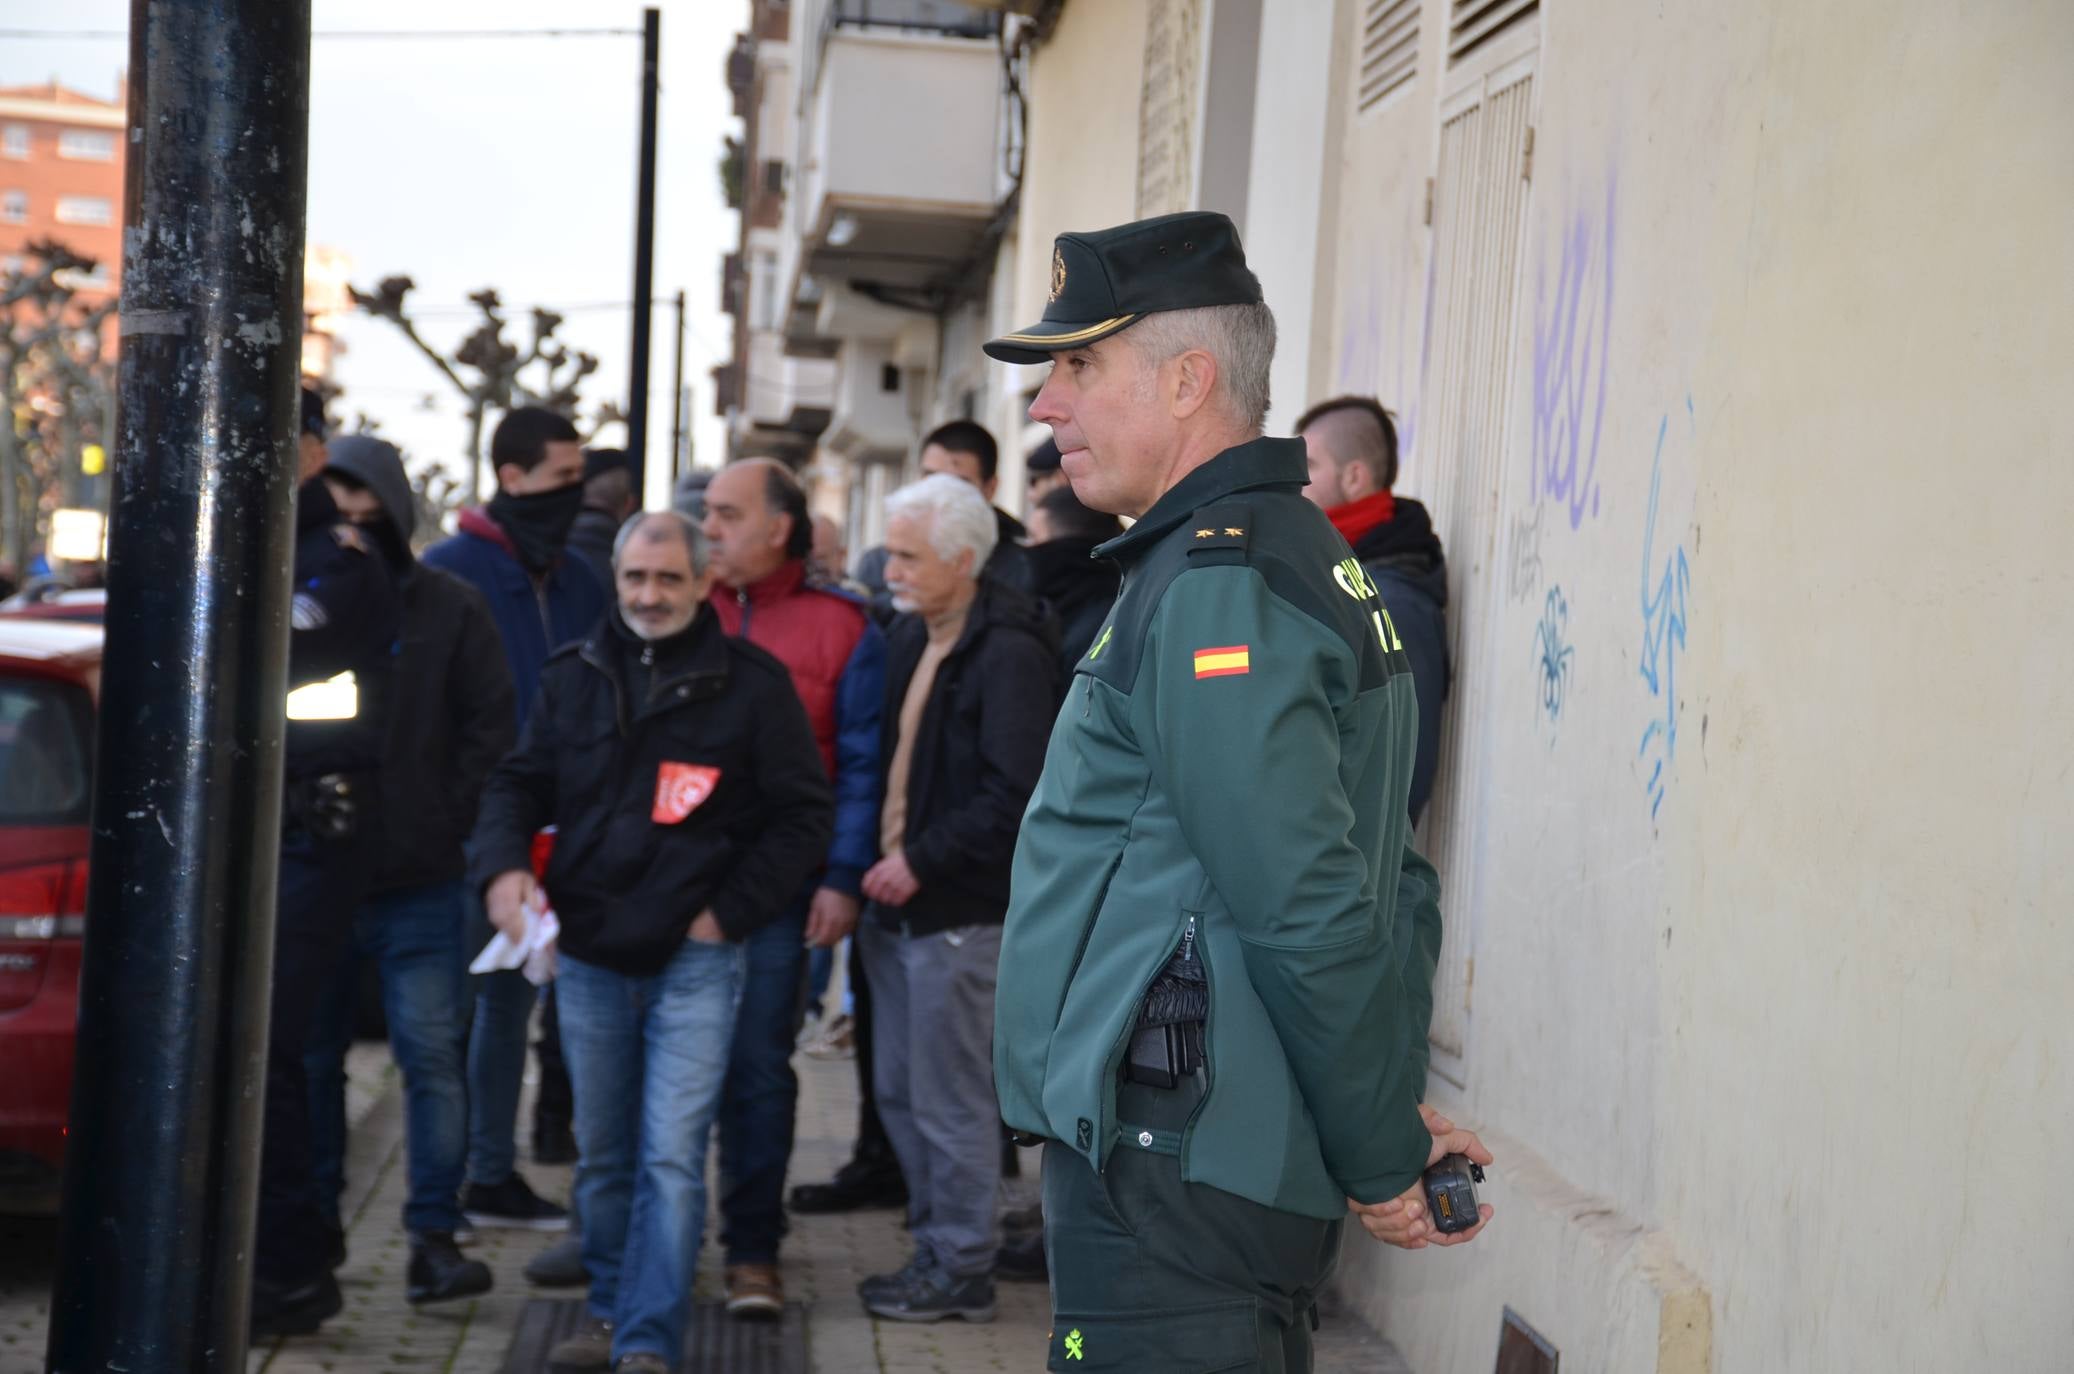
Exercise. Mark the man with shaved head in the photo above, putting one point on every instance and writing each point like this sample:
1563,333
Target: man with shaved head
757,524
1350,444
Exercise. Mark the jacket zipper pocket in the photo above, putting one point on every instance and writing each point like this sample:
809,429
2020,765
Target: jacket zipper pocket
1087,931
1185,947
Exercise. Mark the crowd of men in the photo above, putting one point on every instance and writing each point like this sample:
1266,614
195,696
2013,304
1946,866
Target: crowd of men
724,761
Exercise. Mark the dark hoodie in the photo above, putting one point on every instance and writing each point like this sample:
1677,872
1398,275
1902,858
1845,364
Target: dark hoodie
1403,555
451,715
978,750
1077,588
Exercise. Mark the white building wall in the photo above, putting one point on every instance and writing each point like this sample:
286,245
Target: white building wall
1768,933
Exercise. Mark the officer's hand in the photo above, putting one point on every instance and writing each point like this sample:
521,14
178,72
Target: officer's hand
508,896
830,917
1402,1221
706,929
891,882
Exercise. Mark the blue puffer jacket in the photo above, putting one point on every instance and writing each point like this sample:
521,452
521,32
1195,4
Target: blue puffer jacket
533,618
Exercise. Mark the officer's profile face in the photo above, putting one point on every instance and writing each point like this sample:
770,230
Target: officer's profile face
746,538
562,467
1115,442
921,579
658,592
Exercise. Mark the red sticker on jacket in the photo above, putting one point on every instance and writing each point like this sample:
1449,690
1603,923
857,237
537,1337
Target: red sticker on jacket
680,788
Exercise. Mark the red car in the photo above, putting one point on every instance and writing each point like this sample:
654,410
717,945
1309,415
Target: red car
50,678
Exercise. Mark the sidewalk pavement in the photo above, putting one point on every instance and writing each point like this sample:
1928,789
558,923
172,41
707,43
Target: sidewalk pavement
824,1259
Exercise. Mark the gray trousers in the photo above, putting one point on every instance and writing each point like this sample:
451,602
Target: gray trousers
932,1009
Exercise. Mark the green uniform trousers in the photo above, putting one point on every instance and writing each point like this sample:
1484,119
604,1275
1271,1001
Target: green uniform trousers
1151,1273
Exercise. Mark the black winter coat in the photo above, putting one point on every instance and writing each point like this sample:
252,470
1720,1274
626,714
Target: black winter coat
978,749
751,823
1404,556
1078,589
452,716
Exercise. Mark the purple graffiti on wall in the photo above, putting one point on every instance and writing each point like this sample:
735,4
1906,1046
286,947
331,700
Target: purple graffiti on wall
1570,363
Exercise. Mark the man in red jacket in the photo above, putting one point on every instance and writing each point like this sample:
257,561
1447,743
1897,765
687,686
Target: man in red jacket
756,522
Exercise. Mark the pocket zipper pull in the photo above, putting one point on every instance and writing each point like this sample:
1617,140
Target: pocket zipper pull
1188,941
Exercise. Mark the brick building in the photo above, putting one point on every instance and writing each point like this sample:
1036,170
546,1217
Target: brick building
61,176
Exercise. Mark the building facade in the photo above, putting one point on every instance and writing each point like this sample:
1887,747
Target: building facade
1728,348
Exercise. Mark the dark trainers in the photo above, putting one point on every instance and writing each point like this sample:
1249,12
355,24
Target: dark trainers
512,1204
936,1296
588,1351
282,1310
858,1184
642,1362
439,1271
879,1287
559,1266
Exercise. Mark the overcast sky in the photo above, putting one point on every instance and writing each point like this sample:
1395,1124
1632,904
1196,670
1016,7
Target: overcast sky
505,162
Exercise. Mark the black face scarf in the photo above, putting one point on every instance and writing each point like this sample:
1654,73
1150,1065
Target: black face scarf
538,524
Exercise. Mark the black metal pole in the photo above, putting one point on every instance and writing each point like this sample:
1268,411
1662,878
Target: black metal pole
161,1165
677,464
644,252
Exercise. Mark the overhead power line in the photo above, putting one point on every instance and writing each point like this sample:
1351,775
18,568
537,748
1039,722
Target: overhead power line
90,35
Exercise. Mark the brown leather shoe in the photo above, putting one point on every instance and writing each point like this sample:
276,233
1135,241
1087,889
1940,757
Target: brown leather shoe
755,1292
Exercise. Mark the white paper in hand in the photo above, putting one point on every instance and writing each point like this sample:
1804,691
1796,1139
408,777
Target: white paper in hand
533,952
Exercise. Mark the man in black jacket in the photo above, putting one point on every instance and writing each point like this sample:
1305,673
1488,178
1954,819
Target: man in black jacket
1350,445
451,718
971,681
1074,585
690,803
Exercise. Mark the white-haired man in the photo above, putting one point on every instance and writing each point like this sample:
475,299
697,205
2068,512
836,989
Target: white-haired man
1222,941
970,674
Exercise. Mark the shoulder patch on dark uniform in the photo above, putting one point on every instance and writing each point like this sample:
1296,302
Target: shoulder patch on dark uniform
1219,534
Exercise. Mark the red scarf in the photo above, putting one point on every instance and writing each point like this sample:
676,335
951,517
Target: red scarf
1356,518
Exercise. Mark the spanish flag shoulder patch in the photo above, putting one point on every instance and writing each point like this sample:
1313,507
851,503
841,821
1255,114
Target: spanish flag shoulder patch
1229,661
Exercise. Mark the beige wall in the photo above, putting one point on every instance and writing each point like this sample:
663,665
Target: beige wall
1781,1035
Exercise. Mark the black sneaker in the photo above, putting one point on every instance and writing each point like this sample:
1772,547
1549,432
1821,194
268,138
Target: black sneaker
298,1310
1021,1260
935,1296
858,1184
880,1287
439,1271
559,1266
513,1205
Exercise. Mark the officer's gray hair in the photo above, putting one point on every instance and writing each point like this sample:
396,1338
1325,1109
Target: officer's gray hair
662,524
1240,337
958,517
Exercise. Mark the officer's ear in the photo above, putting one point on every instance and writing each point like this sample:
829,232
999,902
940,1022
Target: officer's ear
1195,380
511,477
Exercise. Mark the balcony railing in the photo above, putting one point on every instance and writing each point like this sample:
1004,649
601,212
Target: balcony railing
937,18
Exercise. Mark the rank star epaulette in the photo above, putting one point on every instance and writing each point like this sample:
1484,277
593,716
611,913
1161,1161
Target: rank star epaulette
1220,533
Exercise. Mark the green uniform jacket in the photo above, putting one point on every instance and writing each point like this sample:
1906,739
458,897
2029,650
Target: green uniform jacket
1228,774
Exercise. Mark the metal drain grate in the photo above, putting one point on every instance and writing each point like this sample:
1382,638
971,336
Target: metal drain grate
714,1345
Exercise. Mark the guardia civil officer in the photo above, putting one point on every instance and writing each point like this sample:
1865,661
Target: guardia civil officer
1218,957
343,629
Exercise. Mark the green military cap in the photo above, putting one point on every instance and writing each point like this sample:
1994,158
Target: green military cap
1110,279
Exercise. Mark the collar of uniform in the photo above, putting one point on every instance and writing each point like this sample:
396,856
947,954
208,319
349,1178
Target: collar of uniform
1249,466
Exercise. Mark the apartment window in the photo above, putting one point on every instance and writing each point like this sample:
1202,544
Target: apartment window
87,145
14,207
14,140
85,210
765,313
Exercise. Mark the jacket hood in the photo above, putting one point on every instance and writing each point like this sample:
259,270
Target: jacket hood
376,465
1066,573
1406,545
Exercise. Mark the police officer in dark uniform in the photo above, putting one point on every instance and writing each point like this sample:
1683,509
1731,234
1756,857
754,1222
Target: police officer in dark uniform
1219,950
343,629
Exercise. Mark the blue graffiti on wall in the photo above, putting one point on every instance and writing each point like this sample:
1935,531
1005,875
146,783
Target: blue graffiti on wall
1666,589
1552,640
1570,363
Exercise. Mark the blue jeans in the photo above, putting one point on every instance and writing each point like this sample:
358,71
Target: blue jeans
757,1108
414,936
496,1059
646,1058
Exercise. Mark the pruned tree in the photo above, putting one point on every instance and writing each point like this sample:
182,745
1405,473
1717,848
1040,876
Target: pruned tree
491,372
57,387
